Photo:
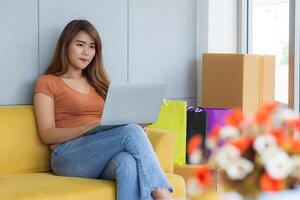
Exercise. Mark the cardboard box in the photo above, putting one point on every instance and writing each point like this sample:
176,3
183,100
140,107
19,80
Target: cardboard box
237,80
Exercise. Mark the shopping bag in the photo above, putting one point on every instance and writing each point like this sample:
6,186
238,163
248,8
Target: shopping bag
196,126
216,117
172,117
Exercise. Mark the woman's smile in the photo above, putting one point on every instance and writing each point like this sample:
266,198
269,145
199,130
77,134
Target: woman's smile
83,59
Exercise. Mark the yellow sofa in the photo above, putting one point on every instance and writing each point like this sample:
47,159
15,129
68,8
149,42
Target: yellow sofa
24,163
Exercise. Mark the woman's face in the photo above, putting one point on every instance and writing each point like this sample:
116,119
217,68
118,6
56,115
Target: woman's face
81,50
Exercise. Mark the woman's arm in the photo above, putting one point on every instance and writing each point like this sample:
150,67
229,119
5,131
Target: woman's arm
44,111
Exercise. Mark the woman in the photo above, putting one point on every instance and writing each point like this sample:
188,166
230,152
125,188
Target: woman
68,101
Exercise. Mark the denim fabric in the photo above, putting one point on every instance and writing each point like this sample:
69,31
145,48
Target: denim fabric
123,154
123,168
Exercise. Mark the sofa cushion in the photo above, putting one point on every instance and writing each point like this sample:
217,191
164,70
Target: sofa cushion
21,149
46,186
178,185
163,144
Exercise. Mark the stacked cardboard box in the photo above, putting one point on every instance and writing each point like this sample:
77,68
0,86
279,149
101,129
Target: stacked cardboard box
237,80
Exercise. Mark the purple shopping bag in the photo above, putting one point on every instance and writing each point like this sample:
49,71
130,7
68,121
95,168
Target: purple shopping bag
216,117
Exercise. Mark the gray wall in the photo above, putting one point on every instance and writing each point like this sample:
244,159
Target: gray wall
143,40
18,50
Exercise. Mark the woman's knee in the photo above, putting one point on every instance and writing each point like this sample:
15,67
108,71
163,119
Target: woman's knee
134,129
126,165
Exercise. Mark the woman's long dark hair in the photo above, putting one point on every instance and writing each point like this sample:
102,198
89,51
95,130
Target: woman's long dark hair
94,72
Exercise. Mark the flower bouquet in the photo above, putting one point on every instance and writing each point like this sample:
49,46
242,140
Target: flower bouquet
250,154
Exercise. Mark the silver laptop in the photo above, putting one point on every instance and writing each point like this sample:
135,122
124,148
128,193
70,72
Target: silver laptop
126,103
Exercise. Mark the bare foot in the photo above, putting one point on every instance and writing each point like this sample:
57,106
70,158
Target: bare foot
162,194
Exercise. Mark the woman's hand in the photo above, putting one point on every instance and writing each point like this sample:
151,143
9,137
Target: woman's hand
146,130
144,126
83,130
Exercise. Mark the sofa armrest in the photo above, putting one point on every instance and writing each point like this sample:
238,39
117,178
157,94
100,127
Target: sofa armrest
163,144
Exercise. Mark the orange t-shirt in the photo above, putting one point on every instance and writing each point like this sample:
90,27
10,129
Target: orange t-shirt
71,108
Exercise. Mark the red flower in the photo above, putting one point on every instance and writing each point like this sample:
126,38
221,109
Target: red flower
262,116
296,146
214,133
282,139
235,117
268,184
269,107
193,144
204,176
295,124
243,143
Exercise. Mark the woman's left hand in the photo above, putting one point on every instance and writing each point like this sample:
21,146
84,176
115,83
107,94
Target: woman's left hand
144,126
145,129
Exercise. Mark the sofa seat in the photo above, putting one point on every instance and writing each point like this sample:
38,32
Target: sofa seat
44,186
25,171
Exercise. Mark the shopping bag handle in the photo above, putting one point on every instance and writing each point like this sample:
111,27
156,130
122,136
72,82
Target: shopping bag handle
195,109
164,102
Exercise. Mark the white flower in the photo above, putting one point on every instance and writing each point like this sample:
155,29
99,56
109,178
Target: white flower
193,187
264,142
270,153
211,144
239,169
278,163
247,123
229,132
296,166
231,196
196,157
226,155
284,114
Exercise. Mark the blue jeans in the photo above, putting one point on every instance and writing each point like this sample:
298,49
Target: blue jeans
124,154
